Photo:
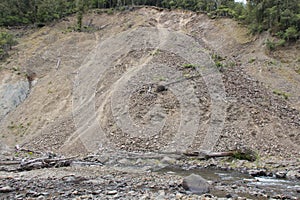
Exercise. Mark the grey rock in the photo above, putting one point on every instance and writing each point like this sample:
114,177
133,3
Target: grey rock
41,197
13,92
168,160
196,184
124,161
6,189
293,174
281,174
257,172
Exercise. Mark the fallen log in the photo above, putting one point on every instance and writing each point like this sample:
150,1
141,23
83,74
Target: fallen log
45,162
209,154
245,154
10,162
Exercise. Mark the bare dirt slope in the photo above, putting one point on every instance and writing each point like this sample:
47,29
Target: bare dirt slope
100,90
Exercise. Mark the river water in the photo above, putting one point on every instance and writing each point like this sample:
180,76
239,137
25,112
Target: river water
229,183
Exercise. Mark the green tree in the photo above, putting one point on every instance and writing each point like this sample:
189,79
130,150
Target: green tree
6,42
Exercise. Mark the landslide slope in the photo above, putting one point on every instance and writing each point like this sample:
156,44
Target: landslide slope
102,89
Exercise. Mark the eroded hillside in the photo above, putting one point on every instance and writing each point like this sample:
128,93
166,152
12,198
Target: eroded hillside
98,90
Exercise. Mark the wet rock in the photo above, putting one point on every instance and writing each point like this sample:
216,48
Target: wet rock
257,172
6,189
281,174
196,184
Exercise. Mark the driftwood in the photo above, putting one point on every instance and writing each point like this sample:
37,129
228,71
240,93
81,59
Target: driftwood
9,162
37,163
242,154
45,162
208,155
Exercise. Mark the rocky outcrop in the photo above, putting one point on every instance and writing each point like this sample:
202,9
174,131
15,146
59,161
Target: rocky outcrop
13,90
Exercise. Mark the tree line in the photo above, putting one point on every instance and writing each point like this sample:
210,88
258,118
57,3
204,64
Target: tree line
280,17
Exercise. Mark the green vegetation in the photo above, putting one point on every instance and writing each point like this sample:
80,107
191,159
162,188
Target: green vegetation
252,60
246,155
189,66
218,61
280,18
6,42
280,93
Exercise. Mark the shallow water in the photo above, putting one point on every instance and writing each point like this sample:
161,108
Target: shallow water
236,183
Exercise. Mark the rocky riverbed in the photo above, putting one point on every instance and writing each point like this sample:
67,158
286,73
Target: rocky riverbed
136,175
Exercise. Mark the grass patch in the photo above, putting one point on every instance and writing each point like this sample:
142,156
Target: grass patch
283,94
251,60
155,52
189,66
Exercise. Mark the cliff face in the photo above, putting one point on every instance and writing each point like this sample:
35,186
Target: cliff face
98,89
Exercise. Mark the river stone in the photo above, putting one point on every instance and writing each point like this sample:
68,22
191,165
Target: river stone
196,184
280,174
293,174
257,172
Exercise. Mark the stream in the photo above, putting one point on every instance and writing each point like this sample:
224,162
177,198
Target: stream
232,183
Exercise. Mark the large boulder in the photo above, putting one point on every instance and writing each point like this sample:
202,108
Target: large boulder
196,184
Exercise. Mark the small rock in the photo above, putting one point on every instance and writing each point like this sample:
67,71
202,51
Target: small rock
293,175
96,192
161,88
41,197
196,184
234,186
124,161
257,172
168,160
112,192
298,189
228,196
281,174
161,195
6,189
179,195
75,192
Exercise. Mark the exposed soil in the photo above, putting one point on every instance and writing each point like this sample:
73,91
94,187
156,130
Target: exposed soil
151,80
